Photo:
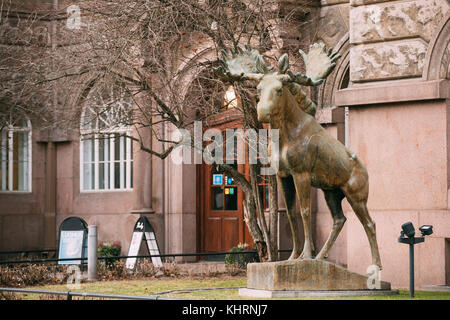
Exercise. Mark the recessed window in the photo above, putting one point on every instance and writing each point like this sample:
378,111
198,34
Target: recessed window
106,151
15,156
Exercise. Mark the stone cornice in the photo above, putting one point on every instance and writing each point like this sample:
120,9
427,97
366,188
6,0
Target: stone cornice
393,92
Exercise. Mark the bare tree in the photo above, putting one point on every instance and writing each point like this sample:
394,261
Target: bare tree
52,59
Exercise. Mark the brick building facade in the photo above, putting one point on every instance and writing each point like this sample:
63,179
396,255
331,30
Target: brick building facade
388,100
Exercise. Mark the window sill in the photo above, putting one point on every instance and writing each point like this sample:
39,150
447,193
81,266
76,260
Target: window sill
105,191
15,192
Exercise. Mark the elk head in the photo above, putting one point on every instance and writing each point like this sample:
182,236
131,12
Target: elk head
250,65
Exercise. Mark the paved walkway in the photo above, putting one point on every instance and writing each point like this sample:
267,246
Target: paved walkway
442,288
202,267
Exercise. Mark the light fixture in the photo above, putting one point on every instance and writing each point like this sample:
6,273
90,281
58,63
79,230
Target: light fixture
408,229
409,232
230,100
426,230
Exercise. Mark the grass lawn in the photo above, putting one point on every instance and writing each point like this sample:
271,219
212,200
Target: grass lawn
159,287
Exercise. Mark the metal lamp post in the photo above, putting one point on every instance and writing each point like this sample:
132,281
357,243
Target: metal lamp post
409,232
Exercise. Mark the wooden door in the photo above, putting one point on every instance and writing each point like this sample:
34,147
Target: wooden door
223,216
222,224
223,211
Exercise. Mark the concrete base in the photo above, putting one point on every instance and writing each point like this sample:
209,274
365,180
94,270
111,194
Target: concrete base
255,293
437,287
307,275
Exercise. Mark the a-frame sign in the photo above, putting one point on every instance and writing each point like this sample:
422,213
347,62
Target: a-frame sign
143,231
73,234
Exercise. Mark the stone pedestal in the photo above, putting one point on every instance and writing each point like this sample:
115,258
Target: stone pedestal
307,276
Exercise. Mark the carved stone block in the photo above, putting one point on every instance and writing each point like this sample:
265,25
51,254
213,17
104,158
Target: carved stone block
392,60
333,25
396,20
306,275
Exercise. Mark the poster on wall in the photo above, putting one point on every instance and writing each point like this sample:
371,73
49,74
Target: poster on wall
72,241
143,231
217,179
71,246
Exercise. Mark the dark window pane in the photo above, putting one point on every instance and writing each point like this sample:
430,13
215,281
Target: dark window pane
4,160
93,175
15,160
92,146
116,175
101,149
231,198
262,179
264,196
217,198
131,175
261,194
124,147
117,147
101,176
125,174
131,149
107,175
266,203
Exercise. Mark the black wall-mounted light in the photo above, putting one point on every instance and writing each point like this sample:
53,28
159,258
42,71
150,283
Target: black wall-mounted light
409,231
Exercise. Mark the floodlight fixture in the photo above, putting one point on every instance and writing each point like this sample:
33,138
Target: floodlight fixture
408,229
409,232
426,230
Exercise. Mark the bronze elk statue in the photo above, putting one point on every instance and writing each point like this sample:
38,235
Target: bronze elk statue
308,155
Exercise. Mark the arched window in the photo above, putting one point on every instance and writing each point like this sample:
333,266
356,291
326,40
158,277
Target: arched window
15,156
106,151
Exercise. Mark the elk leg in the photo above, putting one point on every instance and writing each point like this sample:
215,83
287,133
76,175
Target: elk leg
334,202
362,213
303,187
288,192
357,197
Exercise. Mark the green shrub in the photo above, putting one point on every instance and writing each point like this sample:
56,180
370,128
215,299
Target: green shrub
105,250
240,260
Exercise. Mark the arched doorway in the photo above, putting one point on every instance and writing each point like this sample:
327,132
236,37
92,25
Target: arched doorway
223,222
220,216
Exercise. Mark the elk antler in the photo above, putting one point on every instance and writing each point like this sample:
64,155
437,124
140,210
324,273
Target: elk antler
243,65
319,64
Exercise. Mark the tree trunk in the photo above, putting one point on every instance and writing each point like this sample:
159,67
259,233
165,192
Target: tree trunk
273,217
250,211
272,252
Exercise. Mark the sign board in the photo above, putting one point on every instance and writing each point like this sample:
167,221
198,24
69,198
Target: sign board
152,246
217,179
143,230
72,241
135,245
